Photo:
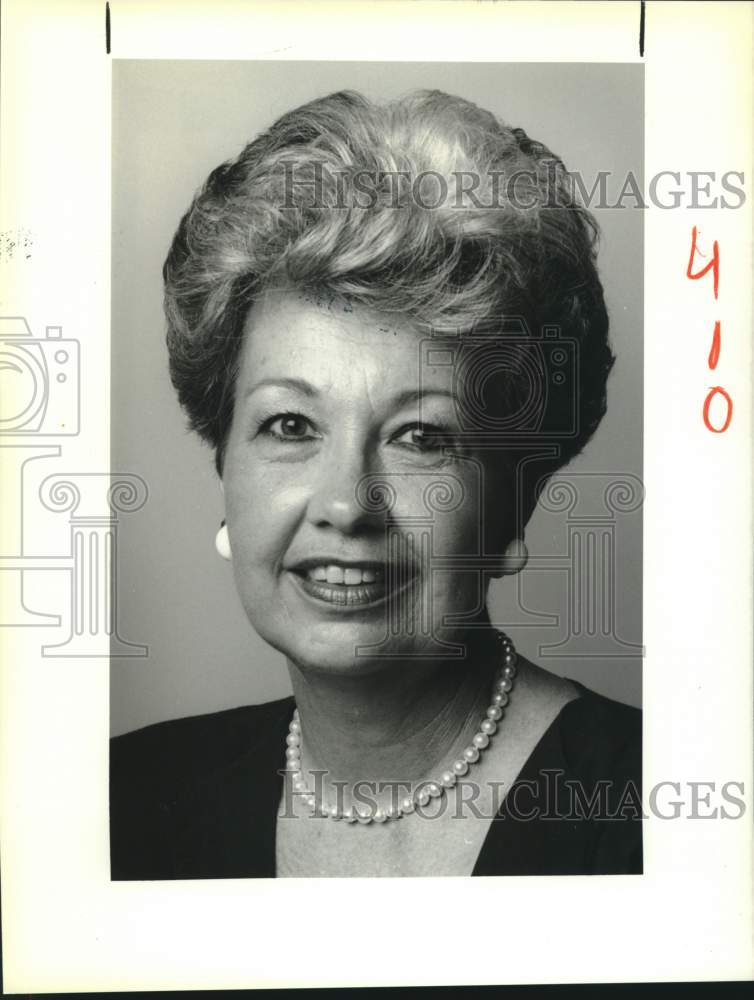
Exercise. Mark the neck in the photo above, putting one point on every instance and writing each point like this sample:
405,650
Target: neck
399,723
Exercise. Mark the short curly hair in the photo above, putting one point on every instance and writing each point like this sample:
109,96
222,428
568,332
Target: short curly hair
294,209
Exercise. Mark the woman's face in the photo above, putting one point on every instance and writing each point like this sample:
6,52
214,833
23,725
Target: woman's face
334,409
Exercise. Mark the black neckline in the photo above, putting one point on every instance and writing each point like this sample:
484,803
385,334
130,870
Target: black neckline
489,852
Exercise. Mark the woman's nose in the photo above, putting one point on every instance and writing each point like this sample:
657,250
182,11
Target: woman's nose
337,499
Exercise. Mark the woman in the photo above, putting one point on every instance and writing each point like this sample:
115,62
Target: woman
356,308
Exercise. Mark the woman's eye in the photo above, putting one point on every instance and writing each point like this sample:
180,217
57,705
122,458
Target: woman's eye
288,427
424,437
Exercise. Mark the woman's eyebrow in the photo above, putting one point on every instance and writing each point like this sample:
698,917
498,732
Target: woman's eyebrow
403,398
296,384
409,396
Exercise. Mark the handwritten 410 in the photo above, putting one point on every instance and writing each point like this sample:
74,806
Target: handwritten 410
714,352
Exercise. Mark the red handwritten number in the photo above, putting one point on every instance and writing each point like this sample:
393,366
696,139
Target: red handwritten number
714,351
714,264
714,391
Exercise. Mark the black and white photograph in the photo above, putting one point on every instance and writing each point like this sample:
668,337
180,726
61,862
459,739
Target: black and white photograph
375,440
404,313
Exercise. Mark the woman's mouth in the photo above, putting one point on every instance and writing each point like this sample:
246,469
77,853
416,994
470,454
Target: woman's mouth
351,586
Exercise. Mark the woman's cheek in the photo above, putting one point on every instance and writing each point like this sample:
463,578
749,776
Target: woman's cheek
265,513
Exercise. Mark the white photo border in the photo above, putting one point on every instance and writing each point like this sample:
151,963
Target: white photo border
66,926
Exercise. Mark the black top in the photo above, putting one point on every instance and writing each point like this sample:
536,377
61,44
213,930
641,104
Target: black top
198,797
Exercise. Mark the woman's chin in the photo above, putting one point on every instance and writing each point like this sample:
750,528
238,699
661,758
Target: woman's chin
361,652
344,651
322,633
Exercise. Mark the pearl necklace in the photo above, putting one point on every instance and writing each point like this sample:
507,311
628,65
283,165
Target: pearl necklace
427,789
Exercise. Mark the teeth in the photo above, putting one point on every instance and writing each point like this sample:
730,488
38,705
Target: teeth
351,577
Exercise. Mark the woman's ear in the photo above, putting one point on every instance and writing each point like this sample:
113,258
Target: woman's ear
513,559
222,541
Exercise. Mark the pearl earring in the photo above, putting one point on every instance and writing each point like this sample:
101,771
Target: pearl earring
514,558
222,542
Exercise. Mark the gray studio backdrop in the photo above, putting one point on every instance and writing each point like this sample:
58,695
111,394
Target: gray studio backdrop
173,121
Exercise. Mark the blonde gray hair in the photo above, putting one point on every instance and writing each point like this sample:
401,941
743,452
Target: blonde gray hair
424,238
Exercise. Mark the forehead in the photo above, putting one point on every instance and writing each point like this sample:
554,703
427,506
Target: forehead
331,342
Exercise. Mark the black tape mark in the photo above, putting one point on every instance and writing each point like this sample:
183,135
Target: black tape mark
641,29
